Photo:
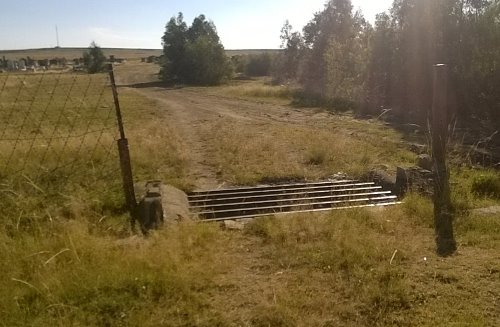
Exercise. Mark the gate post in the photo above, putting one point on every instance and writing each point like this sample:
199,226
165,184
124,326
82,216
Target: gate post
123,150
443,216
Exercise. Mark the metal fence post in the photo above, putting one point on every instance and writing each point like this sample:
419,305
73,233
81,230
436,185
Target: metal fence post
443,216
123,150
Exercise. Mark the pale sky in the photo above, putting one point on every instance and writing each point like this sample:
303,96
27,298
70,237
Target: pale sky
242,24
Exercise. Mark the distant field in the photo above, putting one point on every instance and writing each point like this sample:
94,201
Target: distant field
70,53
250,51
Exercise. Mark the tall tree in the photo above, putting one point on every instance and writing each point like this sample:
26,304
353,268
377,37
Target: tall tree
193,55
324,36
174,46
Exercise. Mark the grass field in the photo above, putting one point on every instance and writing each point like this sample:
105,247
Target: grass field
71,53
129,54
69,259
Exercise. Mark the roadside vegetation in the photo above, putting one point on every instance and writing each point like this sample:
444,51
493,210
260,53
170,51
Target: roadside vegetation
69,257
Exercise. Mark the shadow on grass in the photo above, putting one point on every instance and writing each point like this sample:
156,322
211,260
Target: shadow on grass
156,84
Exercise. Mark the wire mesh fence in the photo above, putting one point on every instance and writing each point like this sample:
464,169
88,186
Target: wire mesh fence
57,141
50,122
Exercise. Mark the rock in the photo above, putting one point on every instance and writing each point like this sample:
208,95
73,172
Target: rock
490,211
233,225
424,161
414,179
418,148
381,178
175,204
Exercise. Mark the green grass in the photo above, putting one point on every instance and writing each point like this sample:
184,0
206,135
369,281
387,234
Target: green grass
76,278
487,184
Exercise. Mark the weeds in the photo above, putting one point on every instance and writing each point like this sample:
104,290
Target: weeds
487,184
258,90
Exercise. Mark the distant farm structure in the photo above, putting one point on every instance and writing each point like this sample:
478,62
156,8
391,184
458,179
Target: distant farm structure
29,64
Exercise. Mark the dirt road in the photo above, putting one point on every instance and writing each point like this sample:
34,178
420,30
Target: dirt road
194,112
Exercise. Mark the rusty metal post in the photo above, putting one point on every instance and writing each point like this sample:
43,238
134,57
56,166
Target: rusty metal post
123,150
443,216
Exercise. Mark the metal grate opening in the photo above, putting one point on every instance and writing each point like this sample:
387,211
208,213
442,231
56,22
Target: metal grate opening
249,202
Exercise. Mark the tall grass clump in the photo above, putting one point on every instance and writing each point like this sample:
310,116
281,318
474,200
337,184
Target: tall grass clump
261,91
487,184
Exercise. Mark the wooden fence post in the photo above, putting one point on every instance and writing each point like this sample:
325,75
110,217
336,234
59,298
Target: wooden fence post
443,216
123,151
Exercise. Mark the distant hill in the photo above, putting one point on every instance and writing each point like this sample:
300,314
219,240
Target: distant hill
130,54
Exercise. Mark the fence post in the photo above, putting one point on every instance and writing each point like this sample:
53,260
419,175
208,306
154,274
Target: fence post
443,216
123,150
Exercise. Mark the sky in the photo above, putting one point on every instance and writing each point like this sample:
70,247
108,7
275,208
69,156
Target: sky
241,24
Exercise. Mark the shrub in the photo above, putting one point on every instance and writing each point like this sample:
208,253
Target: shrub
487,185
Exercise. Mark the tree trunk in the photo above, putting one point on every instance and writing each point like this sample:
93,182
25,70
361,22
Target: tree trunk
443,216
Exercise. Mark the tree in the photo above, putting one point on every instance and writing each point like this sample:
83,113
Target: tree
193,55
94,59
288,62
336,43
205,63
174,47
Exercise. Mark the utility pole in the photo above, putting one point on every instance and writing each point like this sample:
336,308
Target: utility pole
57,37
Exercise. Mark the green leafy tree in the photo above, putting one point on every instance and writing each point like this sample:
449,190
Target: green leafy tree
287,64
174,47
335,55
193,55
206,62
94,59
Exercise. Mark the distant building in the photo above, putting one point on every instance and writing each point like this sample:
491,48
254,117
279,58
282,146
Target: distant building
114,60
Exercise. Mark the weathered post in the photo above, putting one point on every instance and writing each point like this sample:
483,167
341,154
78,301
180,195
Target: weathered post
443,217
123,150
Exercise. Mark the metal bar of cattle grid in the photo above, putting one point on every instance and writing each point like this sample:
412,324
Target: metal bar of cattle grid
264,187
246,202
312,199
278,195
271,191
392,197
303,211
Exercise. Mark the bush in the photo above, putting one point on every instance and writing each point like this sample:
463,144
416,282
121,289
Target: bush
487,185
308,99
259,65
94,59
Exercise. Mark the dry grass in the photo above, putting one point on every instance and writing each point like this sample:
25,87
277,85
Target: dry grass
259,89
69,259
251,154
